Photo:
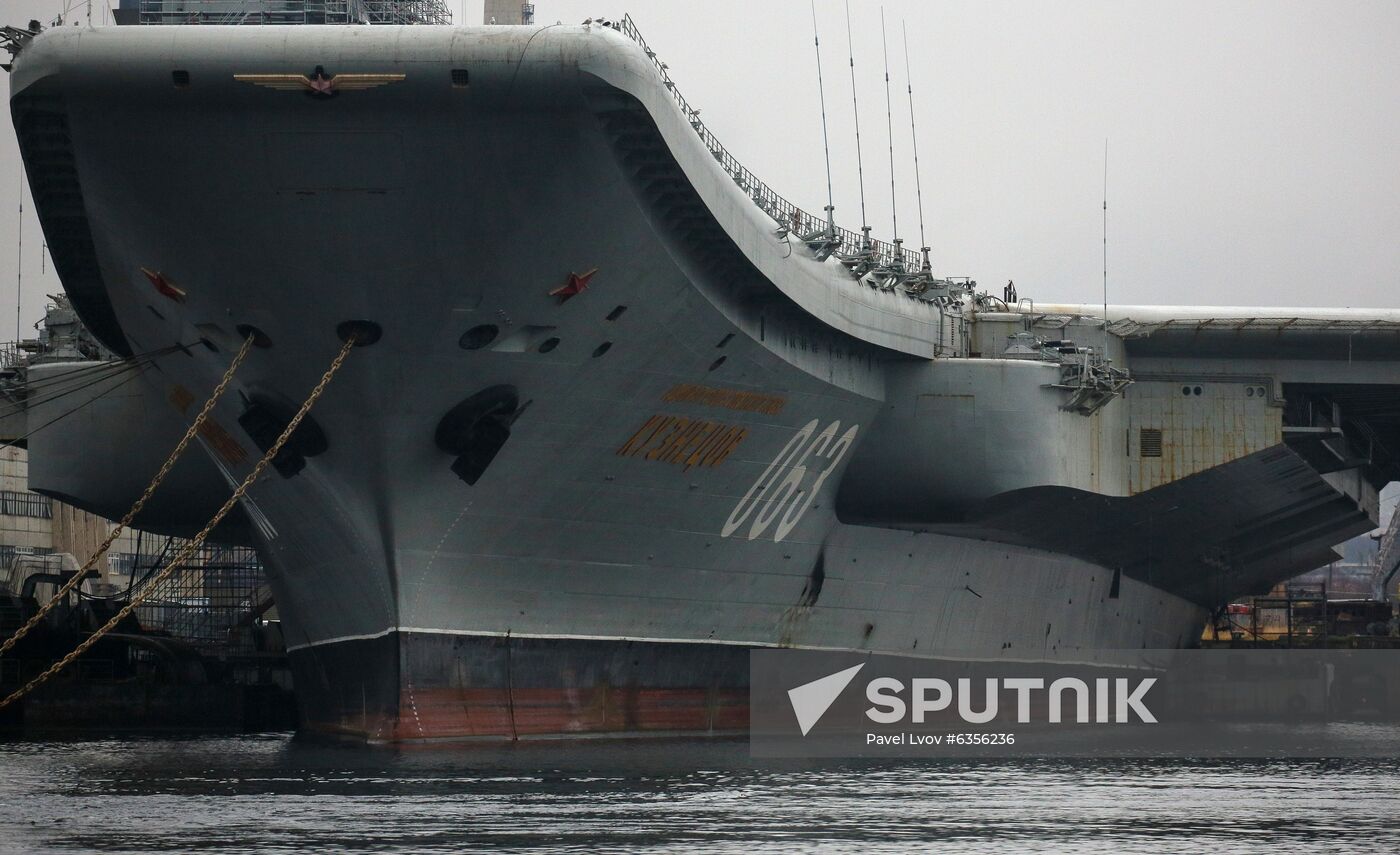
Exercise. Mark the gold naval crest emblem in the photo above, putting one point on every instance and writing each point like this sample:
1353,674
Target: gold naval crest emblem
318,83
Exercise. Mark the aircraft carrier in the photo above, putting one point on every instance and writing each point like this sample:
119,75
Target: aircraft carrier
621,417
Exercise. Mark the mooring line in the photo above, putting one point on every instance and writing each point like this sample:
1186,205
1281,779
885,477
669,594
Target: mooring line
199,539
136,508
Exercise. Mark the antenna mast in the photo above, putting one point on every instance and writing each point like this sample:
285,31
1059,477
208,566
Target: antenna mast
1105,248
826,143
889,130
19,257
914,138
855,106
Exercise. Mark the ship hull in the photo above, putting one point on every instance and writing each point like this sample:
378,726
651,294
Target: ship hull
676,422
620,658
414,686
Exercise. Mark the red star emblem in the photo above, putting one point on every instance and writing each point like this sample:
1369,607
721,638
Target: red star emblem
165,286
319,83
575,286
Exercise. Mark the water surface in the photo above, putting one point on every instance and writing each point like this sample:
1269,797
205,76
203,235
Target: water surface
273,793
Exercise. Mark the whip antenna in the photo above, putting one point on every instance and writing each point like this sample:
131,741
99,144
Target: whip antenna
914,138
889,130
19,257
1105,248
826,143
855,107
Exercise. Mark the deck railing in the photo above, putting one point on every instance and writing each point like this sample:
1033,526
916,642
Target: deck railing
239,12
782,211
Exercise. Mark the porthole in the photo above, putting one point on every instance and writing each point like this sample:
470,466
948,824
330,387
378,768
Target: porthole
548,344
478,337
1249,392
180,78
460,78
1185,390
1196,390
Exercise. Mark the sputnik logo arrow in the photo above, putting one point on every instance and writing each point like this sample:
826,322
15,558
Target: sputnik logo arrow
810,701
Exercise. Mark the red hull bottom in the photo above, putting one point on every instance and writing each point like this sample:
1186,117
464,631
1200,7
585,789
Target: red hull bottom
406,687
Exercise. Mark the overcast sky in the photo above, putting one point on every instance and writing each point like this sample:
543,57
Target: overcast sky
1253,153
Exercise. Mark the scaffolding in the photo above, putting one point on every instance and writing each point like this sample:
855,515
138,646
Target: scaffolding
1303,614
214,601
1388,560
245,12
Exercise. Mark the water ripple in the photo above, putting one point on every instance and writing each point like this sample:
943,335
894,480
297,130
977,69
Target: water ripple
277,794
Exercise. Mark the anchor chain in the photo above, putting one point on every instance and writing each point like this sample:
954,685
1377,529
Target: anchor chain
138,598
140,503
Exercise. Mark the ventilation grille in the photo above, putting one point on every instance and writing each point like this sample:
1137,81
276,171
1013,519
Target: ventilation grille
1150,442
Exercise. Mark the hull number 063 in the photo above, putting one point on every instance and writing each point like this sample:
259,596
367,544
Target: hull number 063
786,489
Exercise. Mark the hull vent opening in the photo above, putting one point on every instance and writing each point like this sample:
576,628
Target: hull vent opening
1150,442
475,430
